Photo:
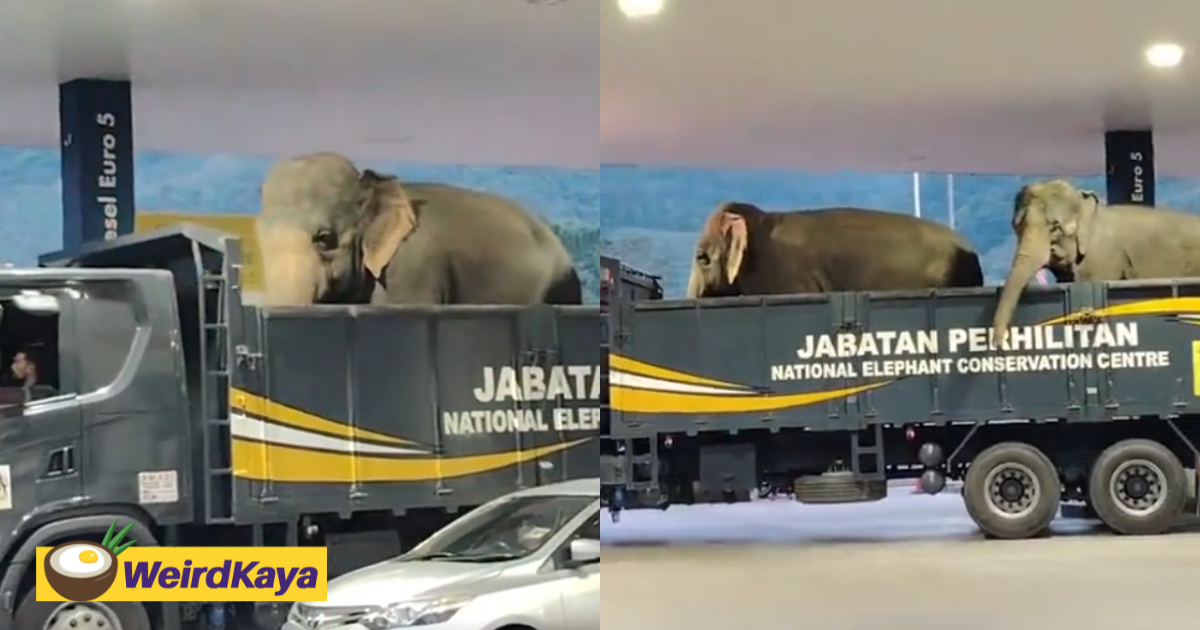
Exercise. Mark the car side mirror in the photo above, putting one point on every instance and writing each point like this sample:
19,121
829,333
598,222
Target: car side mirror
36,303
584,551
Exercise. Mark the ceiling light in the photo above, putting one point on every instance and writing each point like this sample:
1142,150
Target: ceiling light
1164,55
638,9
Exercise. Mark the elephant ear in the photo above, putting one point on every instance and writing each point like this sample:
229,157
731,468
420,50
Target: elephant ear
1021,204
388,219
1089,204
733,228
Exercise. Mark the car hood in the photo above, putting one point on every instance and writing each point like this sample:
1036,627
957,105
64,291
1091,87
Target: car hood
395,581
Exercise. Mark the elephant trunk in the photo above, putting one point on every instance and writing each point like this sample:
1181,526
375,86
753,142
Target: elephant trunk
293,274
1033,253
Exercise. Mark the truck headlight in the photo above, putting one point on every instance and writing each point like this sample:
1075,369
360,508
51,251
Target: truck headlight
412,614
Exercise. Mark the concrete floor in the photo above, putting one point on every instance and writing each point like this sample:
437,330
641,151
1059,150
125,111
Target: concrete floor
909,562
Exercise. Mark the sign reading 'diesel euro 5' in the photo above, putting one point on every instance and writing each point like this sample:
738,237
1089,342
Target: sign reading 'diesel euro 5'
1130,160
118,571
96,129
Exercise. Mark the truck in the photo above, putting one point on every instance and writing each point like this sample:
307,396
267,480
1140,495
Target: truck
1093,402
164,403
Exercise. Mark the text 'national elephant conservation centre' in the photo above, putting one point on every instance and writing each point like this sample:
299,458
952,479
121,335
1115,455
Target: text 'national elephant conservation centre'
531,399
899,353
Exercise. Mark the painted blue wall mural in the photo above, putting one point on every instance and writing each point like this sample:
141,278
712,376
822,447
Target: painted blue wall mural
651,215
31,203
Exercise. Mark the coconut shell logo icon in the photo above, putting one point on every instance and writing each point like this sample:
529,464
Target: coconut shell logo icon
81,570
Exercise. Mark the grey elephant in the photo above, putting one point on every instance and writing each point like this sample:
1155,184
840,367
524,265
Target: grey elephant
743,250
1081,239
330,234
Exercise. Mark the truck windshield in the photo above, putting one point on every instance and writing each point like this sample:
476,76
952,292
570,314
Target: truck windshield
505,530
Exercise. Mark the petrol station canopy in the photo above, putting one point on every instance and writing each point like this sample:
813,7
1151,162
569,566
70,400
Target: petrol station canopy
939,85
449,81
996,86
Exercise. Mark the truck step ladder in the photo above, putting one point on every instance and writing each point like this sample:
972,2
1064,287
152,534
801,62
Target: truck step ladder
215,353
866,453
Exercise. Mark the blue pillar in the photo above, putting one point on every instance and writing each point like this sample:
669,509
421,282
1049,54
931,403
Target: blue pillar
1129,156
96,128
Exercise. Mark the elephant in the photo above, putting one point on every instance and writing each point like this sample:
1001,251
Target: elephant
744,250
1081,239
332,235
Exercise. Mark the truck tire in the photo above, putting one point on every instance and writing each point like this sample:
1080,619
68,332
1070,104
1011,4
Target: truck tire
35,615
1189,505
1012,491
1138,487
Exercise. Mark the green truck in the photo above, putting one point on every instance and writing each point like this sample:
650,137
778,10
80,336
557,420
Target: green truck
163,402
1094,403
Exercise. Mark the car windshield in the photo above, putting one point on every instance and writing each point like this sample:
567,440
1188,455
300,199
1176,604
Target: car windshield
505,530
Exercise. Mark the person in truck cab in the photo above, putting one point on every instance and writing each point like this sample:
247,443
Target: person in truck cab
25,369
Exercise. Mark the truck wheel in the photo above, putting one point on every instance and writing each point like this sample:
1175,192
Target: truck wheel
1012,491
1189,506
1138,487
35,615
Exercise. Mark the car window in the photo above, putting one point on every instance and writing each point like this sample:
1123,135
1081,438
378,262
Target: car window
590,529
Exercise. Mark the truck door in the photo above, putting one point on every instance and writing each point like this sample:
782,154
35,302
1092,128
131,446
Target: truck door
40,419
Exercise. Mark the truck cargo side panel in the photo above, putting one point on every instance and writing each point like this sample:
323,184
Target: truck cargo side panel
299,443
578,337
955,392
493,437
723,354
1138,391
1083,352
392,409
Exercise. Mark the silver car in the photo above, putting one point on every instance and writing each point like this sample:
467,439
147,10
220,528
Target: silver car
530,559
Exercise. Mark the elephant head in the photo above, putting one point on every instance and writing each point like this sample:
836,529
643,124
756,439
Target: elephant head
1053,222
326,231
720,252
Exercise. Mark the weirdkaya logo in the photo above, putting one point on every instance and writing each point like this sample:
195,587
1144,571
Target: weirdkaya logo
86,571
81,570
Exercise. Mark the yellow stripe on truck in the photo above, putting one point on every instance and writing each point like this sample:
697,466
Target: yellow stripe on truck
260,407
270,462
631,400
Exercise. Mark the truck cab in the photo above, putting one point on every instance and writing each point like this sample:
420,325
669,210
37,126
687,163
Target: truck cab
139,388
89,354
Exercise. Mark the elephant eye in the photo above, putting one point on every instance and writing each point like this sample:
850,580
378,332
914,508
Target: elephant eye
325,239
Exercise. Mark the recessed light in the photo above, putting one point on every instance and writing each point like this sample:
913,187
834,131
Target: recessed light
638,9
1164,55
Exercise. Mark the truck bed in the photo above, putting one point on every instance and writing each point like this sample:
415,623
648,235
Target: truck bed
343,409
1079,352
